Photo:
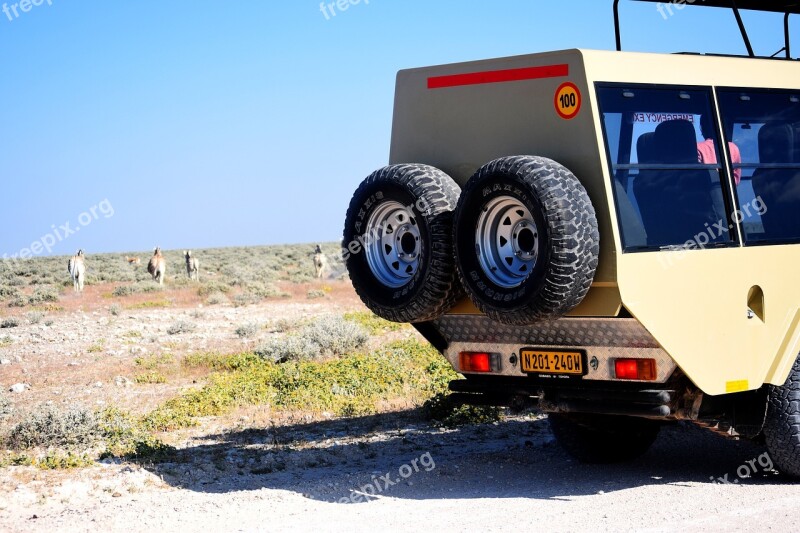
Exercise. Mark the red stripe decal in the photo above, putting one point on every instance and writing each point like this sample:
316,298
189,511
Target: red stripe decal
499,76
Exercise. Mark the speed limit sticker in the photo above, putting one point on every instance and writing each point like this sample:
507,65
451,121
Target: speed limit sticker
568,101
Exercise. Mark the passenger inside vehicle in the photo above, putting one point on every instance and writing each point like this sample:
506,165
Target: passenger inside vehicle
706,150
682,197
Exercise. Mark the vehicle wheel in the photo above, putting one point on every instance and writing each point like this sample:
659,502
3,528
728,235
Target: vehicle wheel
526,240
602,439
398,235
782,427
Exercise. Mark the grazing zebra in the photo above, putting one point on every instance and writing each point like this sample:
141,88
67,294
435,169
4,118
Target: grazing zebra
133,260
192,266
320,262
77,270
157,267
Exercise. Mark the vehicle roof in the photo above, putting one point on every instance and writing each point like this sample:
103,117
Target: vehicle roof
777,6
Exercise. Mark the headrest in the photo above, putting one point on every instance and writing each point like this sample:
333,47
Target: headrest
676,142
646,149
776,143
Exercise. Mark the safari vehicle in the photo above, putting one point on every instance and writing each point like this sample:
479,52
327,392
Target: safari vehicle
612,236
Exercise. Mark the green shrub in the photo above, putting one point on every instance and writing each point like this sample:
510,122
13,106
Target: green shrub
5,405
139,287
326,336
43,295
34,317
10,322
126,437
150,378
210,287
244,299
155,361
353,385
373,323
289,348
50,426
181,327
335,335
247,331
443,410
315,294
122,290
18,301
217,298
8,292
68,461
216,361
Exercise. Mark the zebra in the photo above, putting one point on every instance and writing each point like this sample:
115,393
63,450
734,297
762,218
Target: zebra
77,271
157,267
320,262
192,266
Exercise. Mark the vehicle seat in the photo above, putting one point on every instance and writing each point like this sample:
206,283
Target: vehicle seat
675,204
779,189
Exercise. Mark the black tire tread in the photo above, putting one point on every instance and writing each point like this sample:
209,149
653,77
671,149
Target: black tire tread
782,427
441,289
574,237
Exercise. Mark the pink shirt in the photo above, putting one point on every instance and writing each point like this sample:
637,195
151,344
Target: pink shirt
707,155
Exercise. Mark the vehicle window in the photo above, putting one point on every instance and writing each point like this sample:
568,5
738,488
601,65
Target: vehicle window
668,178
765,125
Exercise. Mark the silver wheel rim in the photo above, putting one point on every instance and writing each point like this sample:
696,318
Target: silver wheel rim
507,242
393,244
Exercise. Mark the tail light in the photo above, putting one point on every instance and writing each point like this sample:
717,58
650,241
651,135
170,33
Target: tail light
636,369
480,362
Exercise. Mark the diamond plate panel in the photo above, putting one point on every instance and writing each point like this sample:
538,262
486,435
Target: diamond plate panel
602,339
616,332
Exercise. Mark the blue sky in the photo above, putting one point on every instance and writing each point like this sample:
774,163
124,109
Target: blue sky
207,123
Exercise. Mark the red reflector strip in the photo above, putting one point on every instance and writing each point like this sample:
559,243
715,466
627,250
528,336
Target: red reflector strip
498,76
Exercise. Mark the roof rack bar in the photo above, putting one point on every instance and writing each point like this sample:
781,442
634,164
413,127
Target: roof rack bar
786,33
616,25
742,28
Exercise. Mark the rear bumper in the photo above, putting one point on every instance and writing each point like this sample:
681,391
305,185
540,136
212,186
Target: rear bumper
661,403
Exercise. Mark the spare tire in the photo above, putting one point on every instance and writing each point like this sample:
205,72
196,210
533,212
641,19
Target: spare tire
398,243
526,240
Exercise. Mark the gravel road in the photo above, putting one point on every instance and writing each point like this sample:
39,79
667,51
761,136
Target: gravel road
509,476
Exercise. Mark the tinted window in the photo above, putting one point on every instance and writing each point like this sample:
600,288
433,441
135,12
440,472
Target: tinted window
663,146
765,126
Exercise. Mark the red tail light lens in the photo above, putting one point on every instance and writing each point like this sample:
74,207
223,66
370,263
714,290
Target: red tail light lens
480,362
636,369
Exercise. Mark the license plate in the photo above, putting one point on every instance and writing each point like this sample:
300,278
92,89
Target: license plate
546,362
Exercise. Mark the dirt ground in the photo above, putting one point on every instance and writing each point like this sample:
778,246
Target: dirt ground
510,476
390,471
79,357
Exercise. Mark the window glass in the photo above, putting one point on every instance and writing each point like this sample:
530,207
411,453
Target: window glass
668,177
765,127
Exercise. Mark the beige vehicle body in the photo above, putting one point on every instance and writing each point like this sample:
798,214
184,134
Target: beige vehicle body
727,318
